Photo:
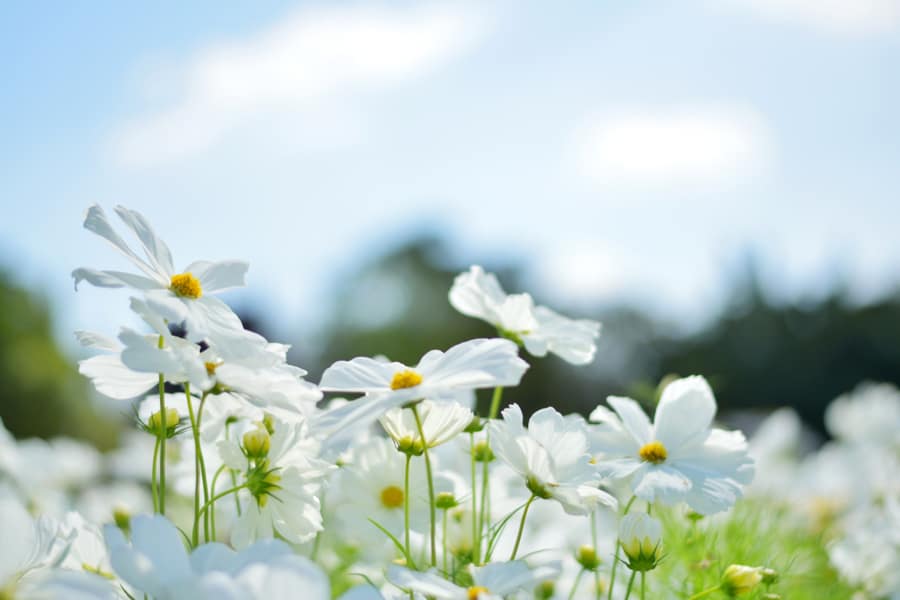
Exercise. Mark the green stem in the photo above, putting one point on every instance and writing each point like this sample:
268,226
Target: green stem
476,539
212,490
161,491
431,507
612,575
643,584
153,491
495,402
594,543
211,514
705,592
213,500
521,527
483,513
406,504
444,540
630,584
237,501
195,531
575,584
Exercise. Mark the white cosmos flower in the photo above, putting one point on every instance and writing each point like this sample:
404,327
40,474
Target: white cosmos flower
31,544
869,416
441,422
179,296
108,373
552,456
474,364
493,581
284,475
677,458
157,563
541,330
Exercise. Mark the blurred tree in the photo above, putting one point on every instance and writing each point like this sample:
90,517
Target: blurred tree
42,393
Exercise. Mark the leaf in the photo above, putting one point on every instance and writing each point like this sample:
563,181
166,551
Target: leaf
409,561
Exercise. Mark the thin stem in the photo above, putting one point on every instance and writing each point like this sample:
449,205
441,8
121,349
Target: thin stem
476,539
212,490
495,402
521,527
612,575
444,540
195,532
153,491
237,501
431,507
575,584
705,592
212,500
643,584
630,584
161,491
210,515
483,513
406,503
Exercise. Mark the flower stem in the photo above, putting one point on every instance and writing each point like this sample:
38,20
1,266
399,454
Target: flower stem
476,539
612,575
212,500
594,543
630,584
153,491
406,504
212,490
237,501
575,584
483,514
211,514
705,592
164,430
495,402
198,462
444,541
521,527
643,584
431,507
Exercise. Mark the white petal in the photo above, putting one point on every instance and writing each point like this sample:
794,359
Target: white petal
428,584
474,364
662,483
95,221
477,294
362,374
156,250
114,279
113,379
634,420
218,276
684,414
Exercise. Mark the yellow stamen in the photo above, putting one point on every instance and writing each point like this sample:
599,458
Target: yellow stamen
211,368
653,452
475,591
392,497
185,285
405,379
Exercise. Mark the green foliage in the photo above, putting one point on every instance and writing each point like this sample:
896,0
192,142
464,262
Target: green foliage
754,533
42,394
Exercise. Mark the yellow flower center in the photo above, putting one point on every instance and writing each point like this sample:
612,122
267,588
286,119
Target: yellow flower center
653,452
475,591
211,368
185,285
392,497
405,379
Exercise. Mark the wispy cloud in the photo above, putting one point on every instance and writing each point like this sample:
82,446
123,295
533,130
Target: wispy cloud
310,57
690,145
853,17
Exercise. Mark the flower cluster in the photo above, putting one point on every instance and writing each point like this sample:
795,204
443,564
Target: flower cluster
241,483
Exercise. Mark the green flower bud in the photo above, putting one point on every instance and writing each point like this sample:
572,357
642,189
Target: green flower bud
445,501
769,576
640,536
545,590
257,443
587,558
482,452
740,579
155,424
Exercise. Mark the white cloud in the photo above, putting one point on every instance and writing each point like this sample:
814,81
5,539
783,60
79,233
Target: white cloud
693,145
312,57
854,17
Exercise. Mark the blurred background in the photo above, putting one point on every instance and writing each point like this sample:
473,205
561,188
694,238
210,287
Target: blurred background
716,181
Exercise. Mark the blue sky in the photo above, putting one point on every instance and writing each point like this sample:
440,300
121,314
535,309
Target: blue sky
620,150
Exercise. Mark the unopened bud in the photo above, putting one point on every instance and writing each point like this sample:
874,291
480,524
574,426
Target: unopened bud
269,423
155,424
740,579
122,519
641,538
409,446
769,576
587,558
445,501
482,452
545,590
257,443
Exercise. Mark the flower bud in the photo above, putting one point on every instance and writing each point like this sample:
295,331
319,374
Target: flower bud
269,423
257,443
769,576
545,590
445,501
155,424
482,452
587,558
641,538
740,579
122,519
409,446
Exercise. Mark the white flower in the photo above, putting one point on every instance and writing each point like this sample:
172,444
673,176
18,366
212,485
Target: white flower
478,294
552,456
283,482
678,458
30,544
441,422
641,538
493,581
108,373
481,363
870,416
157,563
178,296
